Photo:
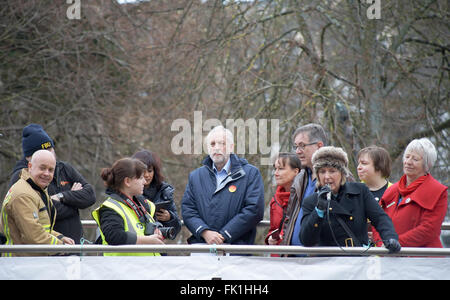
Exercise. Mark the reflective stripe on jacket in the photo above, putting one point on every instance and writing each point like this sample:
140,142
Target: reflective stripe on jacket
130,220
25,217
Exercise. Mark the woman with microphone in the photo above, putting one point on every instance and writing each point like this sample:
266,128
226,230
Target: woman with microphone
336,215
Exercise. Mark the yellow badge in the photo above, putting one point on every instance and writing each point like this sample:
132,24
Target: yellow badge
232,188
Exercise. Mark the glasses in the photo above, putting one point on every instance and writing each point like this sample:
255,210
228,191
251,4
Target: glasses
302,146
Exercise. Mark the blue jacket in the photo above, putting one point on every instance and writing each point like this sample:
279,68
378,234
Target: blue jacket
233,208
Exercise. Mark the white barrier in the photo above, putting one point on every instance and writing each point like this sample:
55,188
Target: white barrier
224,267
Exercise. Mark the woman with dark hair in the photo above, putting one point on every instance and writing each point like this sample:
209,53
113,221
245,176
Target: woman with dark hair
287,166
124,218
158,191
374,169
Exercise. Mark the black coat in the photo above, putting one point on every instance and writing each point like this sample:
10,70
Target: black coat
67,217
161,194
354,204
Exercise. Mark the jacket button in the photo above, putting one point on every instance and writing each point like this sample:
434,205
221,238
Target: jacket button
316,225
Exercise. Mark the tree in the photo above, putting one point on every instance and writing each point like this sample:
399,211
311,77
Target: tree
115,80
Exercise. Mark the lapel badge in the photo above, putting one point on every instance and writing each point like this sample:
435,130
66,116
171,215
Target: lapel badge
232,188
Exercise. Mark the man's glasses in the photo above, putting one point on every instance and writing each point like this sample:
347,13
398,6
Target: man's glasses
302,146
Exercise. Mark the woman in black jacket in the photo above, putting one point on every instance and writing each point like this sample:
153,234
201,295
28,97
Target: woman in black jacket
158,191
337,214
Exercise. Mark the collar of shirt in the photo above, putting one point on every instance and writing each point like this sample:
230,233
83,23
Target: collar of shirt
310,188
222,174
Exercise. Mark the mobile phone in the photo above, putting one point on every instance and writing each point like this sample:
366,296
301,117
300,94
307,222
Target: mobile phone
162,205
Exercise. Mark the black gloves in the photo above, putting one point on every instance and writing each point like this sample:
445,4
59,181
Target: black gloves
392,245
322,201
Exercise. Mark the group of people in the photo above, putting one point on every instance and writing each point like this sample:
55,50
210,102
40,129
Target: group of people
320,204
317,201
45,195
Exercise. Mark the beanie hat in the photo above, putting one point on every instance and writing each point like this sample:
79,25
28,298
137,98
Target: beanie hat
330,156
34,138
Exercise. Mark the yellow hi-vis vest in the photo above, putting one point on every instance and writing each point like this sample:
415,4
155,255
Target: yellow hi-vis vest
130,220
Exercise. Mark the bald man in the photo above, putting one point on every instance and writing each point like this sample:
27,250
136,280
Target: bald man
28,215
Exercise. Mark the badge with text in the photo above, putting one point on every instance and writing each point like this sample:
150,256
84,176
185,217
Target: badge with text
232,188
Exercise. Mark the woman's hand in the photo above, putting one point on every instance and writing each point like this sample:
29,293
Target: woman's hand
163,215
272,241
155,238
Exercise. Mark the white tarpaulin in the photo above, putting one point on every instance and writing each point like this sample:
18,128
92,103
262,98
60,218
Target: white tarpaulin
224,267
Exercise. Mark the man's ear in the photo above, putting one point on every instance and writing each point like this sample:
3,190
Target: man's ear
320,144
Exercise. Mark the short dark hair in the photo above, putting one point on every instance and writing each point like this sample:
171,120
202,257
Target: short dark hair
315,132
151,160
125,167
380,158
291,159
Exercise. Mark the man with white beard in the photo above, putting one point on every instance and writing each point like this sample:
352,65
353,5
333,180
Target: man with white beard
224,199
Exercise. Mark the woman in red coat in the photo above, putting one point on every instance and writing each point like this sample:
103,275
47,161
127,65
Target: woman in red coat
287,166
417,203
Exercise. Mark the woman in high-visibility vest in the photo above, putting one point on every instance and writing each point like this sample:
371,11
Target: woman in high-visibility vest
124,216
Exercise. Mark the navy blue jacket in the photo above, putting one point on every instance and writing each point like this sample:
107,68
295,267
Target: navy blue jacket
233,208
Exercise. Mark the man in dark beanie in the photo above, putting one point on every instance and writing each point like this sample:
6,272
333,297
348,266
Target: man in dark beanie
69,191
35,138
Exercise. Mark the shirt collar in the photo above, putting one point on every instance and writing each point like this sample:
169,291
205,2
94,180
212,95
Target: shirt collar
226,167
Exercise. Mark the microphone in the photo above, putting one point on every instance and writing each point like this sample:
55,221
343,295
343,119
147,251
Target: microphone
329,193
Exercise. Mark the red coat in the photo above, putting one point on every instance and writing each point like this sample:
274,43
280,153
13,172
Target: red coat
418,218
277,205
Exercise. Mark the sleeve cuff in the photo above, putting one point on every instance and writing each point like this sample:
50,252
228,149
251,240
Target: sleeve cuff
320,212
131,238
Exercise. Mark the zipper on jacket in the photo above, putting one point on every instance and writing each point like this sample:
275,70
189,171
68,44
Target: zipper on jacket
230,178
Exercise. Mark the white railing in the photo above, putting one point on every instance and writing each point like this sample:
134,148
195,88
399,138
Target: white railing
222,249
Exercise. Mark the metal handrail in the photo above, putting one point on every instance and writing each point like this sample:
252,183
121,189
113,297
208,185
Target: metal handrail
222,249
93,224
263,223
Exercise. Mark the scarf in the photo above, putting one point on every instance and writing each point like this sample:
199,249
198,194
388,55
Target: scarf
282,197
406,190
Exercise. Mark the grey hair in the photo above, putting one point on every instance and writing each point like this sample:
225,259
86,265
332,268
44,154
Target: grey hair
315,132
425,147
220,128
